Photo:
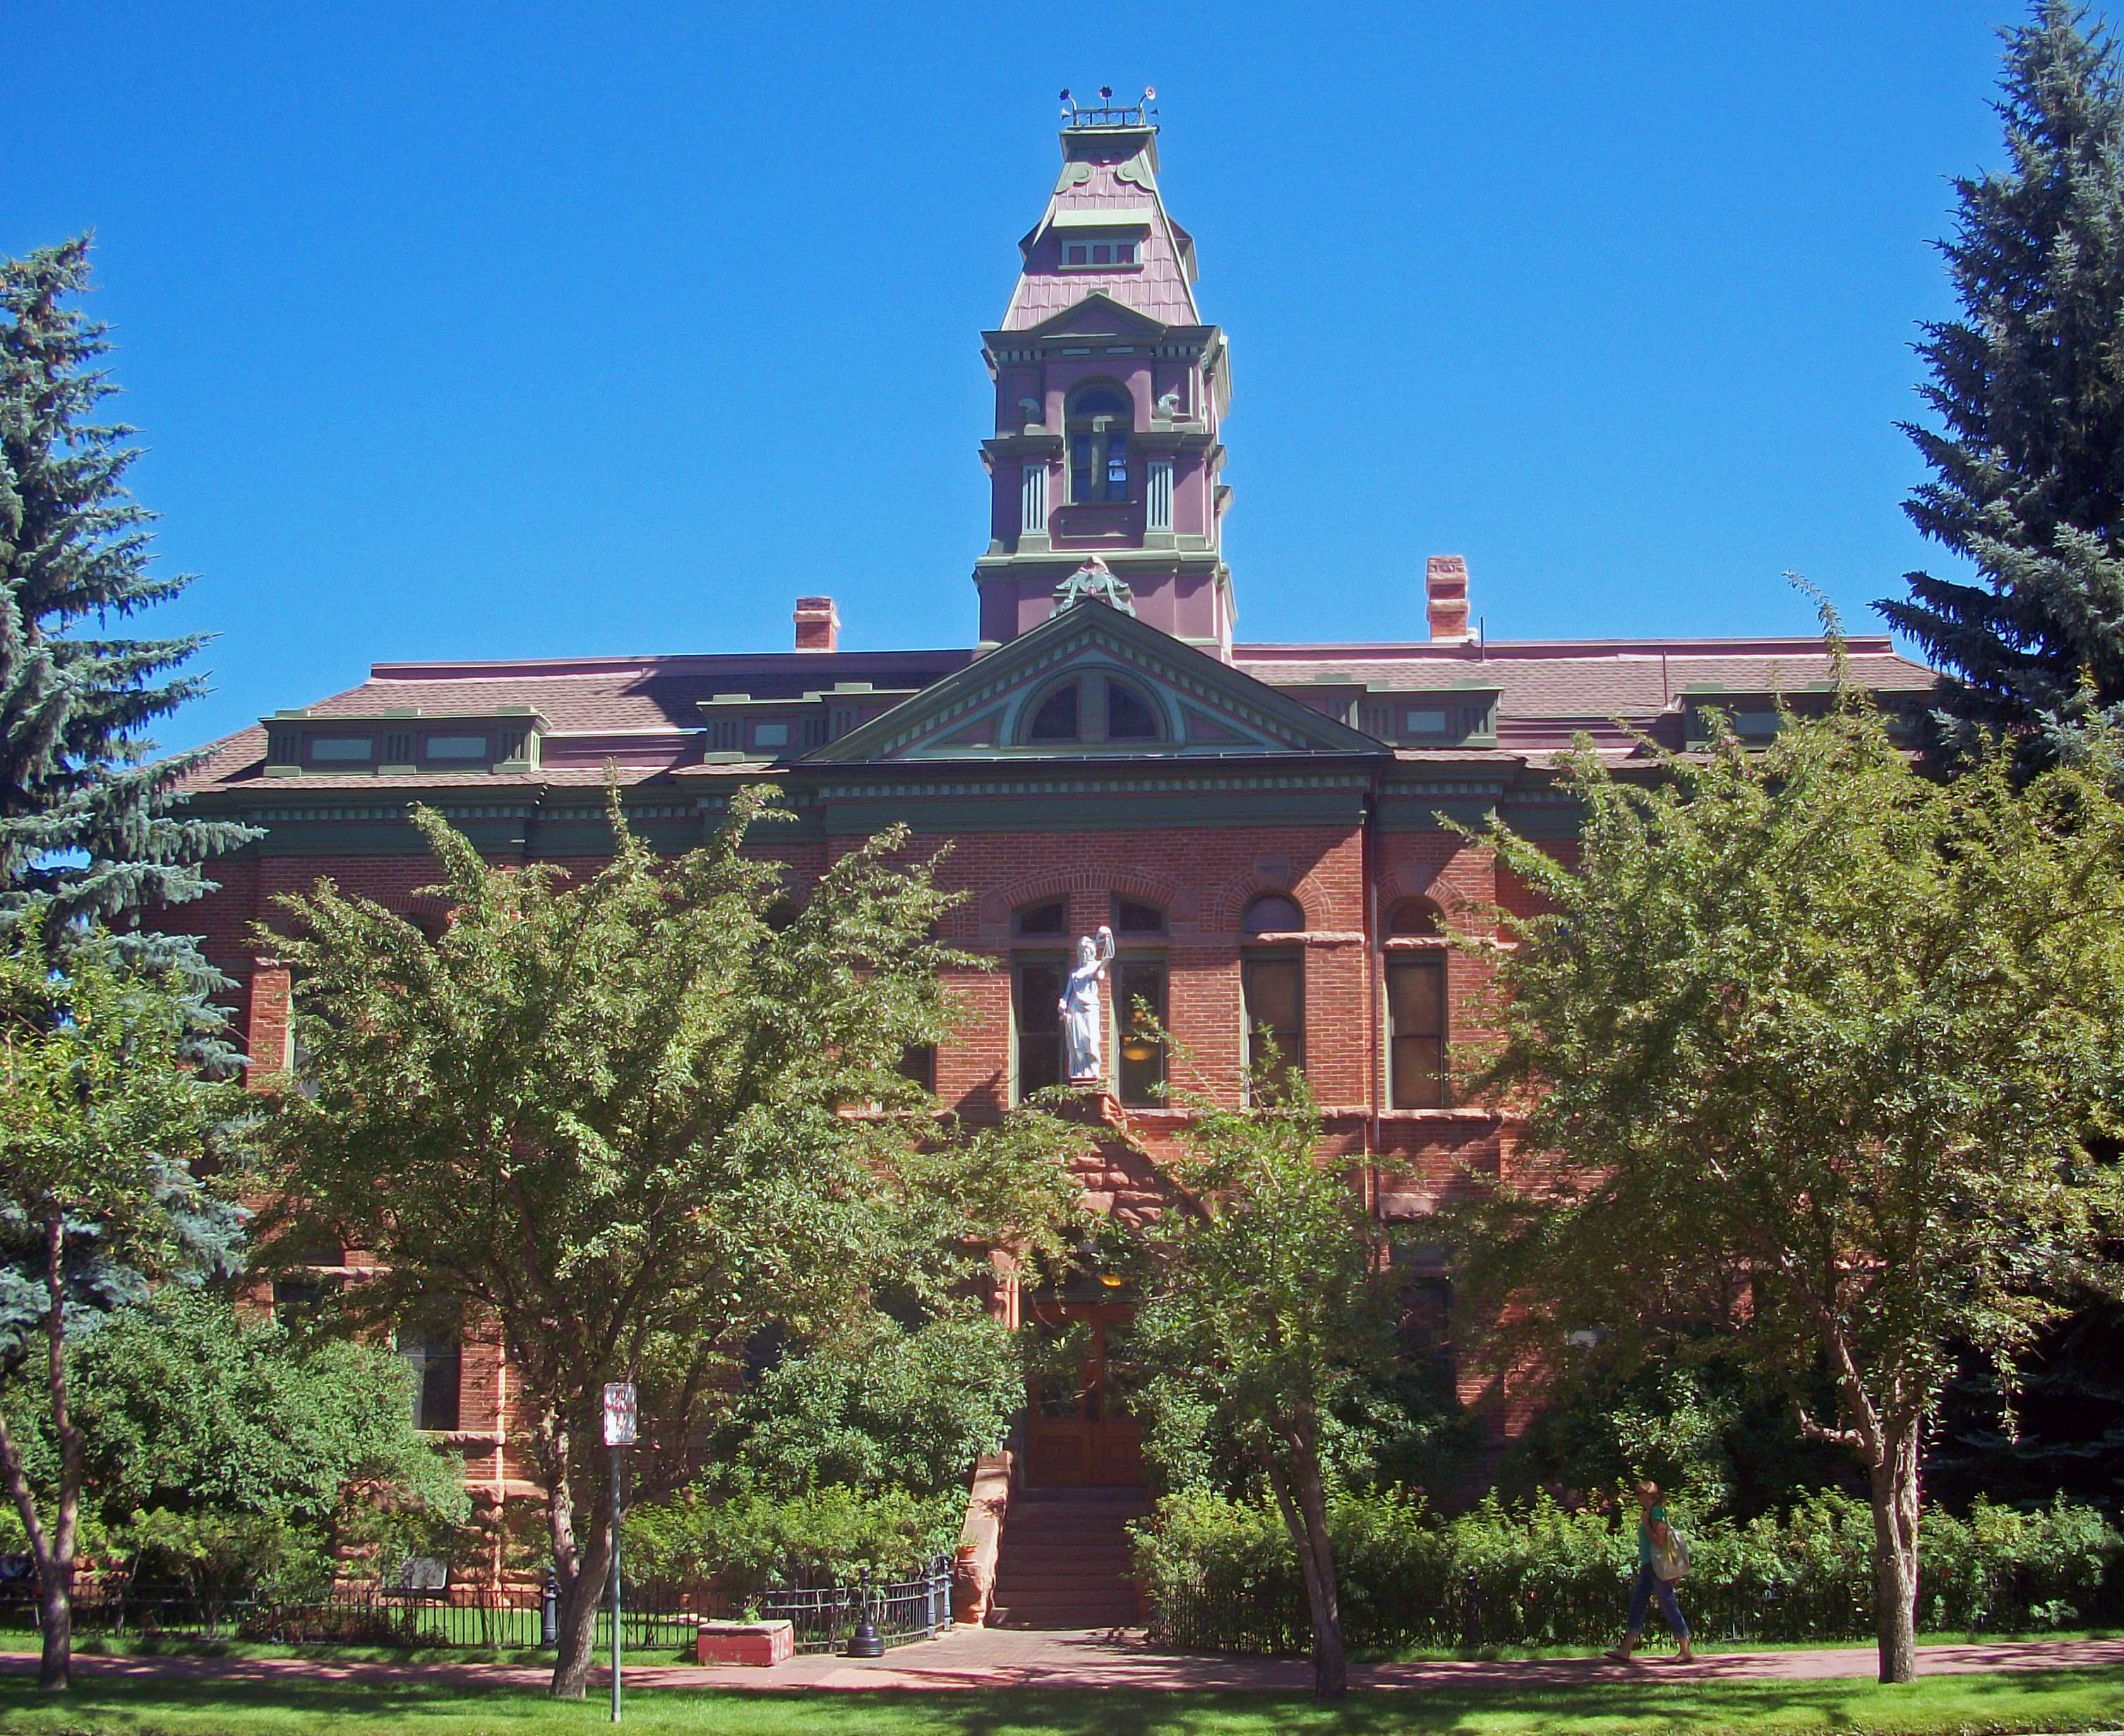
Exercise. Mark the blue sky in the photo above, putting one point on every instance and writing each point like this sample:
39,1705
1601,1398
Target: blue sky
465,331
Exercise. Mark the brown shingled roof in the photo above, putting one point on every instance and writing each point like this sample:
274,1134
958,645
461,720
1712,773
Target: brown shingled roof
1593,678
643,712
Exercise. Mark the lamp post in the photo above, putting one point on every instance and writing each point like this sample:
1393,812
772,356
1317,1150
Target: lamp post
619,1419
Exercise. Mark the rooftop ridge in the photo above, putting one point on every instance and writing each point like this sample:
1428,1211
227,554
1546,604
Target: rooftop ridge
1872,644
515,668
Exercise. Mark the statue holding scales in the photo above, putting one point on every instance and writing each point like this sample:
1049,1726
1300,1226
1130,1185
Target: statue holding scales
1080,1007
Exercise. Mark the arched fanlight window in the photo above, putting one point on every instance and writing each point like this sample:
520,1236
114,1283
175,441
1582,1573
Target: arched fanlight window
1273,913
1132,917
1098,425
1416,919
1055,717
1052,918
1128,715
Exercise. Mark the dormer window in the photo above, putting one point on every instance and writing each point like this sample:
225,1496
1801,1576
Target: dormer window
342,749
1099,423
1085,255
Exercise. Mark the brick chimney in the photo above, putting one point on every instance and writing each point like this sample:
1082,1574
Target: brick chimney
1445,592
818,624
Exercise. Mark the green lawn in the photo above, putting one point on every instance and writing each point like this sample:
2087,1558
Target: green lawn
2061,1700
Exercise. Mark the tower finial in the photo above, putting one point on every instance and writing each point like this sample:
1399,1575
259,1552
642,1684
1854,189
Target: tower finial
1108,113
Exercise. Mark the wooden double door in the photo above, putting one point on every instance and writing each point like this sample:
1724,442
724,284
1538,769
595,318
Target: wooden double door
1078,1431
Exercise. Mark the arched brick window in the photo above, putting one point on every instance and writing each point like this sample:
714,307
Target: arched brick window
1273,913
1416,919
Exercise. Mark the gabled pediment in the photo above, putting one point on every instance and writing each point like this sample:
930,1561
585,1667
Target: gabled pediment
1136,693
1098,315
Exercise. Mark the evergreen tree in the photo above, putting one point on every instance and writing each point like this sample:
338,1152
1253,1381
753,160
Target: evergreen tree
2027,465
88,826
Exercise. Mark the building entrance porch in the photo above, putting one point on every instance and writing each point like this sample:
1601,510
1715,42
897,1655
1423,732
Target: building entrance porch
1078,1430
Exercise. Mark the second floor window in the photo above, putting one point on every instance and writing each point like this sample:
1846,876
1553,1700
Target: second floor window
1416,1030
1037,1010
1272,987
1140,1059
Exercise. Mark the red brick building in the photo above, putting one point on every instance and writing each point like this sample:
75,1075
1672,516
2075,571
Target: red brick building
1267,828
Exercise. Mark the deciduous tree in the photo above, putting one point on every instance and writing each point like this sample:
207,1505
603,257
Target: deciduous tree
627,1118
108,1133
1827,1051
1267,1310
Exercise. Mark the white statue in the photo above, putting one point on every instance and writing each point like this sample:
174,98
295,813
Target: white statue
1080,1007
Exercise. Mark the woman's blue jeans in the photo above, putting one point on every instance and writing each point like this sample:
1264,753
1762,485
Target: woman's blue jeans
1649,1586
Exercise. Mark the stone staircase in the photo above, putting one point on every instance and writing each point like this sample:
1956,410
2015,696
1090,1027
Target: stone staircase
1065,1559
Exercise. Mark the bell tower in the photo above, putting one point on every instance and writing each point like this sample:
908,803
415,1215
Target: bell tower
1109,394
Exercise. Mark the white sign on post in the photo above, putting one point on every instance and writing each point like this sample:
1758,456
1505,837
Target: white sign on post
619,1414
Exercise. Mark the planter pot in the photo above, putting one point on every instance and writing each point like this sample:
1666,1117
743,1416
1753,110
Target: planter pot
759,1644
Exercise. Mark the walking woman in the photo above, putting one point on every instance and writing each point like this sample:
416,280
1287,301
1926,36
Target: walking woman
1662,1559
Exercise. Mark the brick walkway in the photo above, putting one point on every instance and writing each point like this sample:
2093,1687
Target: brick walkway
989,1657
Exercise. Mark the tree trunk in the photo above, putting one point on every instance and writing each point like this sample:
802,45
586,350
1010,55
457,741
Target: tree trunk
1303,1498
581,1600
52,1547
55,1615
1893,1483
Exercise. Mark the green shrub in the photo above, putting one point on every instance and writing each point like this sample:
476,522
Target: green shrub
741,1544
888,1408
1220,1574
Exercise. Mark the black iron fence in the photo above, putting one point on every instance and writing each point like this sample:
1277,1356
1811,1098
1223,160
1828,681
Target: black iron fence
915,1605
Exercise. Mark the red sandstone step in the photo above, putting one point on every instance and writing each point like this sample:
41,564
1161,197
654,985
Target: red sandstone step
1065,1560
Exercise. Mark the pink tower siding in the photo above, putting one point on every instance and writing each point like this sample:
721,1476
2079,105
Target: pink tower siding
1130,329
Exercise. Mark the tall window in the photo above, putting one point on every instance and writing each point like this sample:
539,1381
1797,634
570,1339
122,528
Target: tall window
1272,985
1139,985
1036,984
1416,1028
1139,977
1098,427
1037,997
437,1363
